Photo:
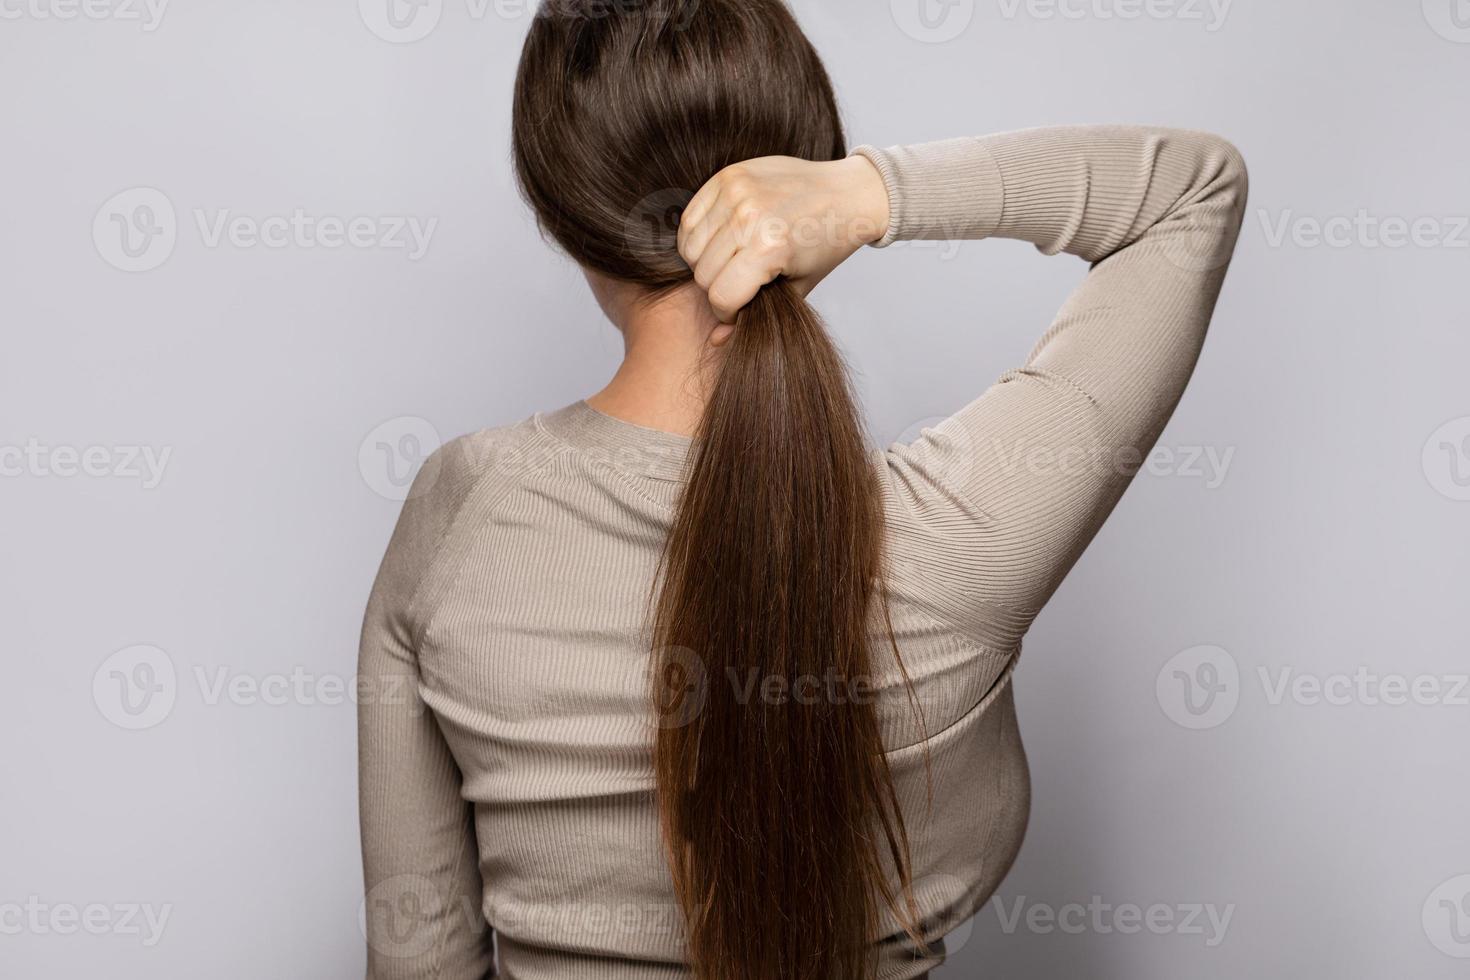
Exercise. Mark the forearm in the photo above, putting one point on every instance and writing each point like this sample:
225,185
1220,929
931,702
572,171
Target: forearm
1086,190
420,863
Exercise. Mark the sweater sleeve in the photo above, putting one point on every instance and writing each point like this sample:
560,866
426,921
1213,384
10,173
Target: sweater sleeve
996,503
421,910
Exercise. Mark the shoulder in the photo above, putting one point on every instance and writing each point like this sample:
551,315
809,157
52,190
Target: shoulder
452,473
448,478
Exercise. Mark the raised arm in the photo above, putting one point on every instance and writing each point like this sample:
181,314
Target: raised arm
420,863
990,509
999,500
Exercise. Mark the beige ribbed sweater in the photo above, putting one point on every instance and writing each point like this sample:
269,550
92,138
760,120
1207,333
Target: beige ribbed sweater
505,732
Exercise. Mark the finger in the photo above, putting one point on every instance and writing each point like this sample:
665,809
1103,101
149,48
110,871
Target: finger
698,237
746,228
700,203
716,254
738,282
697,210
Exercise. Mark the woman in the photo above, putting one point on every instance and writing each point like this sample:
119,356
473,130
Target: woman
824,773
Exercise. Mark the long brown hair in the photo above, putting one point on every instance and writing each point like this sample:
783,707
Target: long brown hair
778,806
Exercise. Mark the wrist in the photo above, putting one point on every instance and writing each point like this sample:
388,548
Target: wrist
865,196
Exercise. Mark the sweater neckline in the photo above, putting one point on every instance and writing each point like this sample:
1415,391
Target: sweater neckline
634,449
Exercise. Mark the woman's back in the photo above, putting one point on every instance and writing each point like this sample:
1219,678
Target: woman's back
830,736
530,628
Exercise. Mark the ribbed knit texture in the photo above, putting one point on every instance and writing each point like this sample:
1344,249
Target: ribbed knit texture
505,732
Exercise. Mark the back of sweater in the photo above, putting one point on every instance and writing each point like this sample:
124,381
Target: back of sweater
505,720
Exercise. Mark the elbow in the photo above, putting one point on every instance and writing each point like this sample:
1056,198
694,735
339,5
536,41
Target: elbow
1211,210
1233,176
1223,179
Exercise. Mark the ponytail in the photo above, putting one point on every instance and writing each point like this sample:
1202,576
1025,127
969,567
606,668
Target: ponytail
771,788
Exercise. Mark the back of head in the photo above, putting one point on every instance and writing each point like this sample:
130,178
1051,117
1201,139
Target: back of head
623,109
777,808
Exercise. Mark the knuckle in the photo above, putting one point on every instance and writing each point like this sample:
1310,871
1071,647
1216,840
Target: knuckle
776,242
734,176
746,210
722,298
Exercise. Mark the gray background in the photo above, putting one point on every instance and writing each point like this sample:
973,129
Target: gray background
1335,541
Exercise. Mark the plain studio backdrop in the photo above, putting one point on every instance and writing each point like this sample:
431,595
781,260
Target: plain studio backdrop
260,257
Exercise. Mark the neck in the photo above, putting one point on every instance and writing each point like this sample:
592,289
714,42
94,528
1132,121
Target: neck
669,363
